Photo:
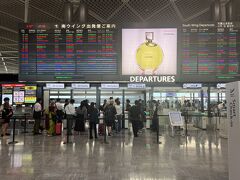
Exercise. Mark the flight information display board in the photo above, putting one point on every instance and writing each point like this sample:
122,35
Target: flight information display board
65,52
209,52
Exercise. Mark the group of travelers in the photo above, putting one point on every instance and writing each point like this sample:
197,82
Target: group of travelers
77,117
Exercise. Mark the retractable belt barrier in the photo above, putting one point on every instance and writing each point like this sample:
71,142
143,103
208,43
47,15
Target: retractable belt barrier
14,117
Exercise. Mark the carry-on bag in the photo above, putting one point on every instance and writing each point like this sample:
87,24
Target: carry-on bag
58,128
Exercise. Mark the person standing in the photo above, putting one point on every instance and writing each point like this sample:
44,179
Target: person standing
118,124
60,110
7,113
109,116
93,118
128,105
70,113
142,114
134,115
103,106
66,103
81,117
51,113
37,115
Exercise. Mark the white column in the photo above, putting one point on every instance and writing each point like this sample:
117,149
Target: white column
233,110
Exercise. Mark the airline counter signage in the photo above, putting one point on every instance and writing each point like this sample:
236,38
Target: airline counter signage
13,85
30,94
152,79
31,88
55,85
81,85
110,86
221,86
30,99
192,85
136,86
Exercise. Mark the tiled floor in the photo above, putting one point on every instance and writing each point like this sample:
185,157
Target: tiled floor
202,156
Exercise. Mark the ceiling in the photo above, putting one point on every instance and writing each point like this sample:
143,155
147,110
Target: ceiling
160,12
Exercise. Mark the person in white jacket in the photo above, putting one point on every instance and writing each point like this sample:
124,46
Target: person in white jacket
118,124
70,112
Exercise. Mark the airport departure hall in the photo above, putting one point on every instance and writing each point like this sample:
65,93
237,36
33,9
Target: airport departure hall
119,89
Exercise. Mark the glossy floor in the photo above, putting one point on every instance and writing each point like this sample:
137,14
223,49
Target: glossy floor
203,155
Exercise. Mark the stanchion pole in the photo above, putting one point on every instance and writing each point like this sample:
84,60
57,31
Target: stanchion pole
158,142
186,123
155,119
67,130
105,132
25,125
14,125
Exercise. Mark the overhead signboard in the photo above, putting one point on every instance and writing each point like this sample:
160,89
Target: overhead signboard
221,86
67,52
209,52
136,86
80,85
55,85
192,85
109,86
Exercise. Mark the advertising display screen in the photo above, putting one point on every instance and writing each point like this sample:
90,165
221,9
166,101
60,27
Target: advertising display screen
18,93
30,94
15,93
148,51
209,52
67,52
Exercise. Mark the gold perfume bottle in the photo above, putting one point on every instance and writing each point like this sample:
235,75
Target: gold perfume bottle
149,55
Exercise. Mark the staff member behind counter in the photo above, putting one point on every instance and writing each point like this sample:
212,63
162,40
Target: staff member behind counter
7,113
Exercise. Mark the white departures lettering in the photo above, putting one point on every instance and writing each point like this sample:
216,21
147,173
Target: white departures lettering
149,79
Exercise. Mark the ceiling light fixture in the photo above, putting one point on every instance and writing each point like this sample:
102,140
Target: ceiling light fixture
4,64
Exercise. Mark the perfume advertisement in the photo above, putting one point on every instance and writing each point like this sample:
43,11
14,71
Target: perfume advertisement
149,51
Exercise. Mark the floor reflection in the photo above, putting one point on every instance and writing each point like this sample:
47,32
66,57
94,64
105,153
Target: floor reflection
201,155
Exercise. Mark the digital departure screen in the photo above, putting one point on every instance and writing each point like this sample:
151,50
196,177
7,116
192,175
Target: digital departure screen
209,52
66,52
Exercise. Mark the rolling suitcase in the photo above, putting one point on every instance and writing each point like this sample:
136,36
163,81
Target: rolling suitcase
101,129
58,128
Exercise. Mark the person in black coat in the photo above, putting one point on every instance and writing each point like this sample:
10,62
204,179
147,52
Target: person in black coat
81,118
134,115
93,119
110,115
